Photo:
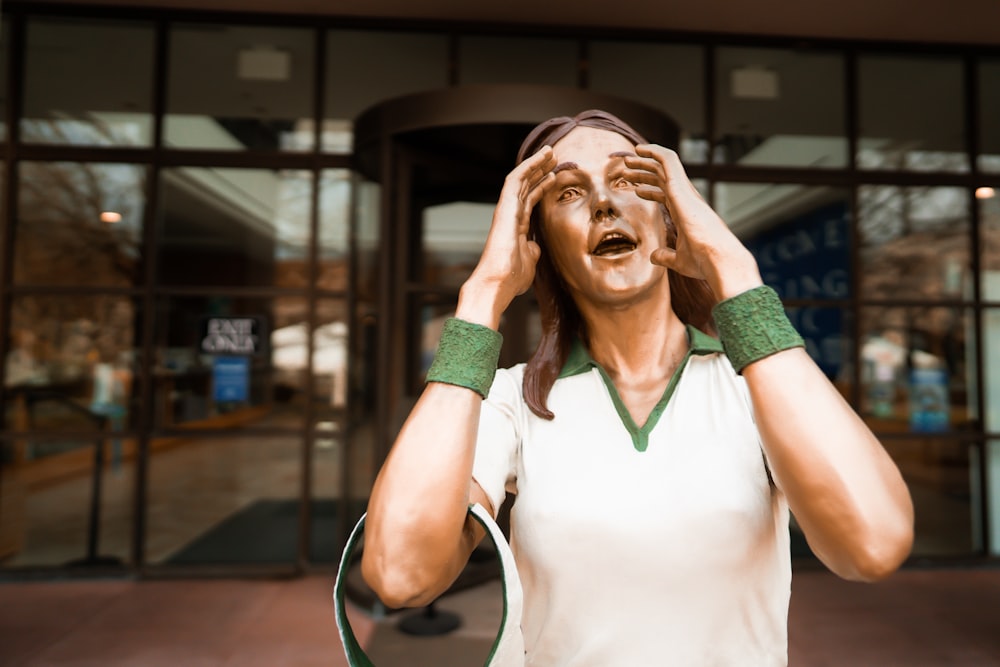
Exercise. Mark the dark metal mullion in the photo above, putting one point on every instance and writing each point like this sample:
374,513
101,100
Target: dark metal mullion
150,237
851,126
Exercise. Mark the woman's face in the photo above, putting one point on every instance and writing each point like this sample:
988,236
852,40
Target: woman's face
598,232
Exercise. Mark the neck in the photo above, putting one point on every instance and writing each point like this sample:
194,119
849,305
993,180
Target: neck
639,340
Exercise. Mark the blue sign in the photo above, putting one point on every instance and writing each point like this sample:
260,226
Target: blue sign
929,401
231,379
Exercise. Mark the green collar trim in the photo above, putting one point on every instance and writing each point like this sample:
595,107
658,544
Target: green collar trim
579,361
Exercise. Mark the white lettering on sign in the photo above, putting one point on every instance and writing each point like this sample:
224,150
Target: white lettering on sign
230,336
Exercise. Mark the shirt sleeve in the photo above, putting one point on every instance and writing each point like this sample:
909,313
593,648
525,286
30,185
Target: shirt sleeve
498,441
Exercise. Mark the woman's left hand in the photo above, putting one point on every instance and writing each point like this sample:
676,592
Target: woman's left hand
706,248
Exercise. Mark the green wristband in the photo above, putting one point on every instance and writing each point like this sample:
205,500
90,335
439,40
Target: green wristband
466,356
753,325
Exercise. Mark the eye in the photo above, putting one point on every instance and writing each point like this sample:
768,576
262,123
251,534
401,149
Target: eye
622,183
568,194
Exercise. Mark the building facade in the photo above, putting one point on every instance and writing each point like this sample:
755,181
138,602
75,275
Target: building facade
229,241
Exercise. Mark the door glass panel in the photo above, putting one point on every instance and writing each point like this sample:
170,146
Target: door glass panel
79,224
911,113
452,240
88,82
335,210
623,69
918,369
941,475
780,107
71,363
240,87
914,242
395,63
58,507
989,116
218,500
220,363
234,227
517,60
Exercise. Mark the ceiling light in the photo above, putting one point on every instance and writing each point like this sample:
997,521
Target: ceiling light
111,216
985,193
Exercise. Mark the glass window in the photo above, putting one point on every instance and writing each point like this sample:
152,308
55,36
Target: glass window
395,64
918,369
993,497
48,489
234,227
88,82
779,107
453,238
230,362
367,212
518,60
989,116
942,478
911,113
991,369
71,362
989,242
623,69
914,242
219,500
79,224
238,87
335,209
4,41
829,337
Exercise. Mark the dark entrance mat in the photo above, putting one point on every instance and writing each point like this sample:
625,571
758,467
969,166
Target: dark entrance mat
267,531
388,647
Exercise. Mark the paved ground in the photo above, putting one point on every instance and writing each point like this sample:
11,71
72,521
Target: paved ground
918,618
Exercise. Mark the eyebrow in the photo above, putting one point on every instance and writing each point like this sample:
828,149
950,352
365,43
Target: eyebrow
564,166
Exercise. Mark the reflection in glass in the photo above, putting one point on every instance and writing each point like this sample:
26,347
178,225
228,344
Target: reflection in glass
220,363
911,114
914,242
223,500
234,227
989,113
48,491
433,313
917,369
367,213
88,82
676,91
395,63
780,107
941,477
71,363
79,224
827,333
335,207
329,360
453,239
240,87
991,369
989,242
520,60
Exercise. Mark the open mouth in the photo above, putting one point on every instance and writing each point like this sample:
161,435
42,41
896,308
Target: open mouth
613,243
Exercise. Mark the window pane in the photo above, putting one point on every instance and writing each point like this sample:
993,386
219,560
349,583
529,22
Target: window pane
234,227
367,211
623,69
518,60
237,87
394,64
79,224
993,497
780,107
991,368
829,337
4,41
989,226
71,362
940,475
88,82
453,239
918,369
223,500
219,365
989,115
914,242
912,114
47,492
335,210
800,235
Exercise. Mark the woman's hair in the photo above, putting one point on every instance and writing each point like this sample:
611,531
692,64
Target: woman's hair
691,299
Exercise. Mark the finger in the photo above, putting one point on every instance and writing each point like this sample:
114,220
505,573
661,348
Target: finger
670,164
538,190
663,257
652,193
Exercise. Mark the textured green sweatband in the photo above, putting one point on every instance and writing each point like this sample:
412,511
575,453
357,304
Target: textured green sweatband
753,325
466,356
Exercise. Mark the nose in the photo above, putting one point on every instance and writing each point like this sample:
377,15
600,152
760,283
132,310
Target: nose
603,208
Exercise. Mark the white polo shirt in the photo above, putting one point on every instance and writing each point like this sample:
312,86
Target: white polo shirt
640,547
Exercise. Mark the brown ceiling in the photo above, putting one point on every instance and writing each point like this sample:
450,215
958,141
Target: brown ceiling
948,21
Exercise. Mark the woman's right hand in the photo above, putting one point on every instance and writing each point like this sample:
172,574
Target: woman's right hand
507,265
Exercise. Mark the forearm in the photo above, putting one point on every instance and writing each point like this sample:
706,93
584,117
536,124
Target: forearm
842,486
